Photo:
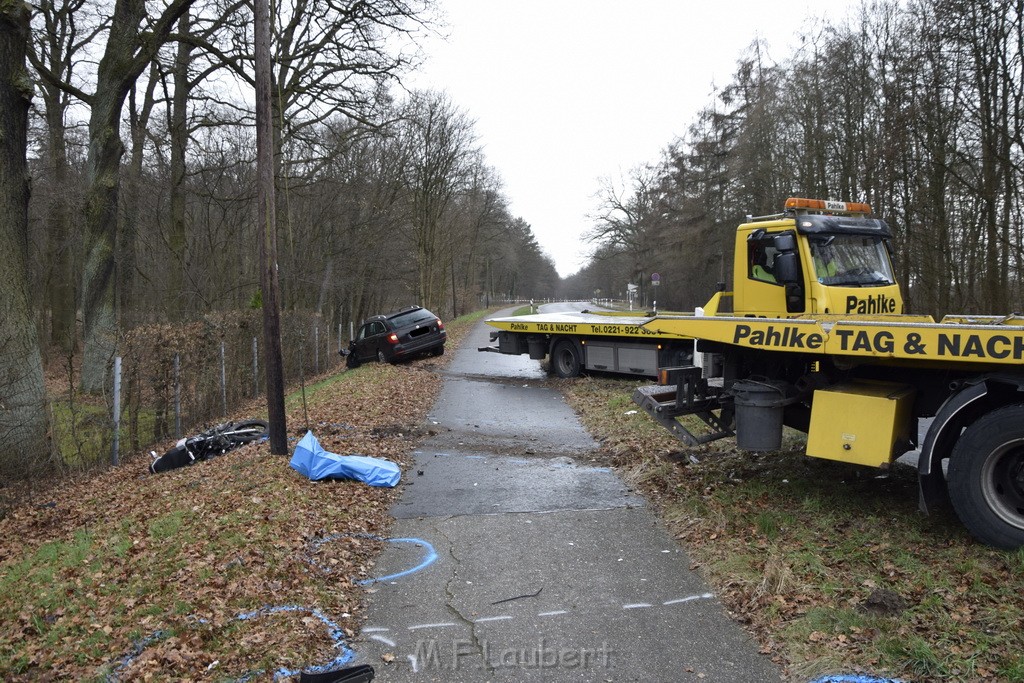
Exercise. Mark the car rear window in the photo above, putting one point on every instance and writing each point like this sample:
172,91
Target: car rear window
413,317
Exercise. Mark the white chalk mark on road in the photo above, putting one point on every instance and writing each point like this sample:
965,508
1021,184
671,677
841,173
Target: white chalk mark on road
702,596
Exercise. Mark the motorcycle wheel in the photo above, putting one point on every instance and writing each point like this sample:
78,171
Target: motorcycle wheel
246,431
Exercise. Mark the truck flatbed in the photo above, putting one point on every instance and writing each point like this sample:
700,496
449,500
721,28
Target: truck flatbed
968,340
585,323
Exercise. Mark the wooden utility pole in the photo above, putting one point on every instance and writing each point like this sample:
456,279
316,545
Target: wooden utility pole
266,224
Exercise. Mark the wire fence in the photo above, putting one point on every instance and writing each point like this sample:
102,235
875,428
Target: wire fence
171,380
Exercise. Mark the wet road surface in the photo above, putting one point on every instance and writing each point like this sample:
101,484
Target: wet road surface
517,558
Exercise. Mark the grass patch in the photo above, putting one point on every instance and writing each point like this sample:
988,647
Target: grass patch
82,432
463,323
319,388
166,526
830,566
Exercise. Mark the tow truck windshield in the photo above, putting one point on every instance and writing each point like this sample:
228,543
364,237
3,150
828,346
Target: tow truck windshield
851,260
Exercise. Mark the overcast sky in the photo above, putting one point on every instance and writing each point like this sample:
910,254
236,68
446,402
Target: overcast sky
566,92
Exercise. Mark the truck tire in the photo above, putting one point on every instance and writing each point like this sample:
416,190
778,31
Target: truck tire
565,359
986,478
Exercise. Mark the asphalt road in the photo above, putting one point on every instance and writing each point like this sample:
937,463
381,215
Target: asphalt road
516,558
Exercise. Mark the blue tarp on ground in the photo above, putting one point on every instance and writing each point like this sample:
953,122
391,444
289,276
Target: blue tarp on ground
311,460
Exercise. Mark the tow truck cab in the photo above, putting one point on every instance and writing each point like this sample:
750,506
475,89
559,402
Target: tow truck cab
817,257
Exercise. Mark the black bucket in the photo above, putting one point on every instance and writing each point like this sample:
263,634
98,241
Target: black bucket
759,405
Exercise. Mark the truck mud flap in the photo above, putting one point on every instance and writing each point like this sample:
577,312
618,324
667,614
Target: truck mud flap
690,396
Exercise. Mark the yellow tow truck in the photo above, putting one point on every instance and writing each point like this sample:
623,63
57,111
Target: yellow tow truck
813,335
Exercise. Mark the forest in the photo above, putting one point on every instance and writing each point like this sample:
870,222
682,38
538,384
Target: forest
127,182
913,107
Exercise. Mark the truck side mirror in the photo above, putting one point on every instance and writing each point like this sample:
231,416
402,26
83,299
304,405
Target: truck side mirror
785,242
787,272
787,266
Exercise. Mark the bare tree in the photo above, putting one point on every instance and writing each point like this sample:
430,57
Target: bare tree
625,222
133,40
440,143
60,33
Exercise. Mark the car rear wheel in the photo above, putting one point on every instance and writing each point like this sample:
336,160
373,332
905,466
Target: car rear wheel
381,358
439,350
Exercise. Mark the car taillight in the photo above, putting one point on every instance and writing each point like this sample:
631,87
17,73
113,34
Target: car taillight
440,325
393,338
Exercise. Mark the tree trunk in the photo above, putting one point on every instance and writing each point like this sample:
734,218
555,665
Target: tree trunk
23,414
266,225
128,236
99,303
98,300
60,287
127,53
177,237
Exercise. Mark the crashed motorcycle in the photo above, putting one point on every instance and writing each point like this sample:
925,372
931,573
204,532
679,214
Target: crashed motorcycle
214,441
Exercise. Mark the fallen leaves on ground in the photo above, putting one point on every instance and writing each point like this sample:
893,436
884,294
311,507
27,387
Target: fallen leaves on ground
144,577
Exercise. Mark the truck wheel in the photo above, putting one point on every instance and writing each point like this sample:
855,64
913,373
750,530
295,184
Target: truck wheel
565,359
986,478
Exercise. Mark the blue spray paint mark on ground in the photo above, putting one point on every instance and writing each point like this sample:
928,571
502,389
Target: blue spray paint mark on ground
854,678
337,637
137,648
345,655
428,559
335,632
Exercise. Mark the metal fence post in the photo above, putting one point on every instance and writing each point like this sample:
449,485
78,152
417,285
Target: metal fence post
223,382
117,411
177,396
255,369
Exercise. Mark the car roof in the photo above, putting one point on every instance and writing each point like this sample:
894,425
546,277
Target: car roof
393,314
400,311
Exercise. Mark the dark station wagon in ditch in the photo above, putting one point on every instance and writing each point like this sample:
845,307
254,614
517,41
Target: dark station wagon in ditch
389,338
